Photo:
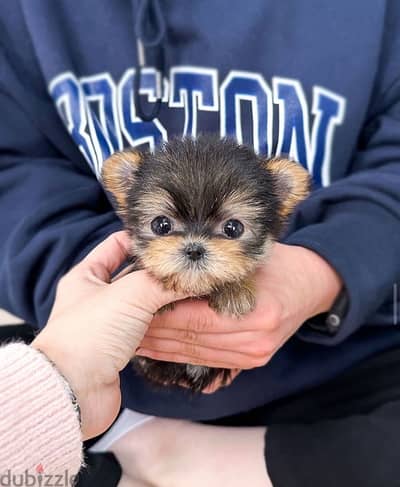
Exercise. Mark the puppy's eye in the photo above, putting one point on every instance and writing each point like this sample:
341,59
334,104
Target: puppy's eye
233,228
161,225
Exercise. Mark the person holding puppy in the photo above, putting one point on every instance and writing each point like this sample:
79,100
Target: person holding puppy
319,355
64,387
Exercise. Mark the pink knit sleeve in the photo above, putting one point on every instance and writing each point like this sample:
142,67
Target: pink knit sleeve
39,426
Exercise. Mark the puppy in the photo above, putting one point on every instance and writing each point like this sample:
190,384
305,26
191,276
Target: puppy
202,215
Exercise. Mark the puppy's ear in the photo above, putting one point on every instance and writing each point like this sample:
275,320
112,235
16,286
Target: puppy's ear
118,174
293,183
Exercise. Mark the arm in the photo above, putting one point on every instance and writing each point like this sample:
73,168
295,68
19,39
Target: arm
93,330
39,426
346,234
355,223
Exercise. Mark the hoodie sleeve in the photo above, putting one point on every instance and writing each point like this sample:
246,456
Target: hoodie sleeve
355,223
52,212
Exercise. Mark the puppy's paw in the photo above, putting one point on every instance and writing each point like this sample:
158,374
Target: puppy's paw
235,300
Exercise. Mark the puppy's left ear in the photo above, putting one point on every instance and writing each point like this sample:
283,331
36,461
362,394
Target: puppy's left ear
293,183
118,175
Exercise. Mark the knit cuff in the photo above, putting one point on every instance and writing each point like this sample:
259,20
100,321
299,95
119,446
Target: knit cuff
39,426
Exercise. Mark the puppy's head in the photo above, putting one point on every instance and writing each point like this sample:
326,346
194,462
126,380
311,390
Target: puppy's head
202,212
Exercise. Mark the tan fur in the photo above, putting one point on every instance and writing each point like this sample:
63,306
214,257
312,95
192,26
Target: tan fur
241,205
235,299
118,173
153,204
224,262
294,182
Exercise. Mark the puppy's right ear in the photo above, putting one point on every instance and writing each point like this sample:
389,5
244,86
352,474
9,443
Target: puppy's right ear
118,175
293,183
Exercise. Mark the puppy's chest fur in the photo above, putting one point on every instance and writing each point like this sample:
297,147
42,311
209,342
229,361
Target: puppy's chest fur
203,214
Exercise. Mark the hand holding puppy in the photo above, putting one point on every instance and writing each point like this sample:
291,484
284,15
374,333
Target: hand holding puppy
293,285
202,215
95,327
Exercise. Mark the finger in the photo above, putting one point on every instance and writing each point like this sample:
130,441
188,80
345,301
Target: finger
218,383
143,288
242,341
108,256
182,359
202,355
197,316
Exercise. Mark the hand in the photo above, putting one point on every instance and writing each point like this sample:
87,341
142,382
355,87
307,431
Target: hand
294,285
95,327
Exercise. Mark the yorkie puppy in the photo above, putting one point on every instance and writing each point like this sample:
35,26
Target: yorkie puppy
202,214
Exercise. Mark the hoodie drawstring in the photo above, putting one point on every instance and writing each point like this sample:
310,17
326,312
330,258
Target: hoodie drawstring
150,29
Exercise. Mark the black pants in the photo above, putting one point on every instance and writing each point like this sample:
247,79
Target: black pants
345,433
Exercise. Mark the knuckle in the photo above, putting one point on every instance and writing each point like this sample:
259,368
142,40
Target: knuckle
199,323
262,351
189,336
260,361
273,324
263,346
276,314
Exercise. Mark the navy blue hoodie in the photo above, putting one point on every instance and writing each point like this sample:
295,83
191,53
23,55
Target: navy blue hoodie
318,79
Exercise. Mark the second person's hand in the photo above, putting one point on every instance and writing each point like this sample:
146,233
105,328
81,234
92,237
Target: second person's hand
96,325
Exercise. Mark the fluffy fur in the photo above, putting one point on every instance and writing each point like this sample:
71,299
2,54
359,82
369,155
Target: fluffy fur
199,185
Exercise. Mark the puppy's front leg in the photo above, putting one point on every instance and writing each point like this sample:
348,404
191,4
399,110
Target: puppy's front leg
236,299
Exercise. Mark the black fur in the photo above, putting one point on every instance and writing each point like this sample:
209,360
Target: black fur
199,175
173,374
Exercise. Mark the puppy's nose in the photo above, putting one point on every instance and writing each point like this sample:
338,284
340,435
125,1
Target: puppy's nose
194,251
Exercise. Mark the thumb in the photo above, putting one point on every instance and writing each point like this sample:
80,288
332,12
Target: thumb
108,256
140,287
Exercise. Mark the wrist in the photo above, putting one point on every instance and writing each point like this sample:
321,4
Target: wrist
322,283
68,369
98,396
